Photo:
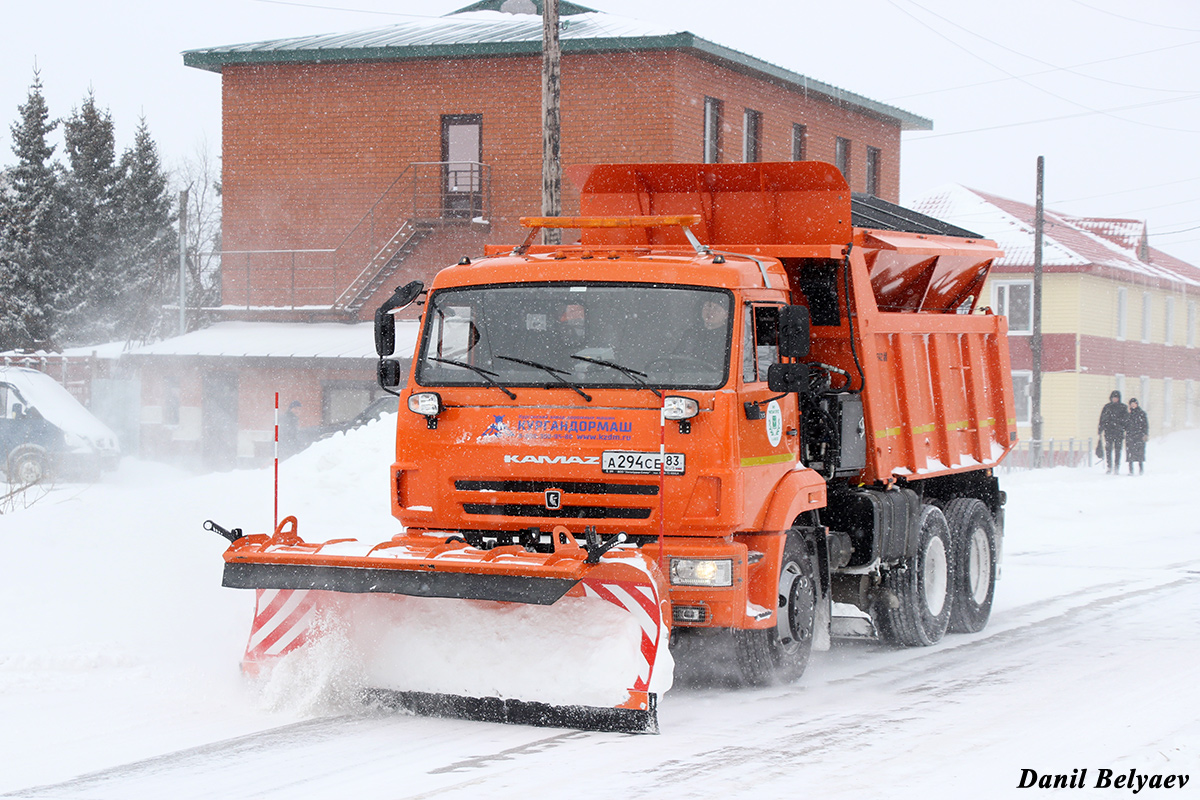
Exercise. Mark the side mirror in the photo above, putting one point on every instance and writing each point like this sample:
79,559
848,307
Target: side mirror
795,333
788,378
385,333
385,323
388,373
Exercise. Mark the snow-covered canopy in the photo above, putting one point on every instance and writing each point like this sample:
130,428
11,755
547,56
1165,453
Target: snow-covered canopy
282,340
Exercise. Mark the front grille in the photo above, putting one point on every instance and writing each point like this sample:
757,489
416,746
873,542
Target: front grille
569,487
573,512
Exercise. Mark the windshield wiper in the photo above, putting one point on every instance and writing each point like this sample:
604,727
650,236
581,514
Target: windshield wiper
553,372
483,373
632,373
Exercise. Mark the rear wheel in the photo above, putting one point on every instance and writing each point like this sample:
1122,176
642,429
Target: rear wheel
780,654
921,586
973,533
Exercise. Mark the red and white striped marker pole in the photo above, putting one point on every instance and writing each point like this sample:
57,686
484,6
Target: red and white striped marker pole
276,524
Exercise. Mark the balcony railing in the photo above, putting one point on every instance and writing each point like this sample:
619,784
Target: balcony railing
426,195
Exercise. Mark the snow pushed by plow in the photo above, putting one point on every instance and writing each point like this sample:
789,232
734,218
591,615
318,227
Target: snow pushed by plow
579,651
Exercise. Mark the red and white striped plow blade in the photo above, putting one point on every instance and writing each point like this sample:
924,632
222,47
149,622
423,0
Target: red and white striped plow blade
642,601
282,621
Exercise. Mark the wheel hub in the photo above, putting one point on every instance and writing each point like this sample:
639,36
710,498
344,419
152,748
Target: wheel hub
935,576
979,566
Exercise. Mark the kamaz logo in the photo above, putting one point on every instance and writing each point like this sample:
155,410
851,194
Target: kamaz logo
511,459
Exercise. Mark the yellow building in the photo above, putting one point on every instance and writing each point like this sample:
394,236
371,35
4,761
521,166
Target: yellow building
1116,314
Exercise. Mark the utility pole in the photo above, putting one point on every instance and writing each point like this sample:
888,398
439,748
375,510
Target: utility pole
183,205
551,131
1035,343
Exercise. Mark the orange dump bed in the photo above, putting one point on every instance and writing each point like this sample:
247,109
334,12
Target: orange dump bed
933,370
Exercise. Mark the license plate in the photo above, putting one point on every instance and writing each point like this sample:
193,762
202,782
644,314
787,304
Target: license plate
635,463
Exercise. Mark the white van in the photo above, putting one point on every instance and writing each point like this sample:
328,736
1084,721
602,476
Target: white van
45,432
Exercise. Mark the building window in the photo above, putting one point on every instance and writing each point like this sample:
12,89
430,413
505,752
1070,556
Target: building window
462,157
1143,392
799,142
1145,316
1169,321
171,400
1014,299
841,156
873,158
1022,380
1191,323
712,130
1189,403
1122,313
1119,385
751,136
1168,404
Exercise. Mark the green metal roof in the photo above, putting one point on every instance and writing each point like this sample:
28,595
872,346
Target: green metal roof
480,30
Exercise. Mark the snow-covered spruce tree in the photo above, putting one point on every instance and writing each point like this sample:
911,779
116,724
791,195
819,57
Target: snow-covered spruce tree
89,300
148,244
31,216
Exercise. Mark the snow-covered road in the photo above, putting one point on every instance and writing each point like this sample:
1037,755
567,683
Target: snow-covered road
1090,662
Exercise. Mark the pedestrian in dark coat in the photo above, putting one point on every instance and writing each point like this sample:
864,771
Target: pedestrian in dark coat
1112,428
1137,431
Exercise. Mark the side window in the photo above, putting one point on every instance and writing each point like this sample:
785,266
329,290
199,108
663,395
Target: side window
760,342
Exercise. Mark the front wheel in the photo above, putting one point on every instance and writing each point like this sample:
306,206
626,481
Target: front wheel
27,465
973,533
780,654
921,588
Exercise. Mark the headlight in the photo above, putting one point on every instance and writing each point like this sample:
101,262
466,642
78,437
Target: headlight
428,404
675,407
702,571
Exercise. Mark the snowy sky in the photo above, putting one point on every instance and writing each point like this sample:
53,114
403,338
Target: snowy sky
1106,90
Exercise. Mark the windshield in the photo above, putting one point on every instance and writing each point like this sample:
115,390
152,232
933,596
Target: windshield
596,335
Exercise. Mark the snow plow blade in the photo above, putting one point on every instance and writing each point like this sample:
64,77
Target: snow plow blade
298,581
521,712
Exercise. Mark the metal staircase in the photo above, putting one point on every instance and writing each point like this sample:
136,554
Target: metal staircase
418,202
383,265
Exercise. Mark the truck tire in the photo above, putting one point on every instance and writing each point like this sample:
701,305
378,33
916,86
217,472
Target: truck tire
27,465
780,654
921,586
973,535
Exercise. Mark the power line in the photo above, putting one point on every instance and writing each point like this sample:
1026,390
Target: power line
1134,19
1087,113
1061,69
1181,230
1010,74
1127,191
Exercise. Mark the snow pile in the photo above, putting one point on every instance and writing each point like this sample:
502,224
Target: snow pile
576,652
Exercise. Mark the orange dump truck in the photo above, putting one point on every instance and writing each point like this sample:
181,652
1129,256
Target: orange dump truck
727,410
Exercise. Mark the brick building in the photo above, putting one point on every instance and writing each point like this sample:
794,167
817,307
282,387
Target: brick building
356,162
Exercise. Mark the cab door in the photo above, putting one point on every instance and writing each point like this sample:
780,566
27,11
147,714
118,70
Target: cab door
768,425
